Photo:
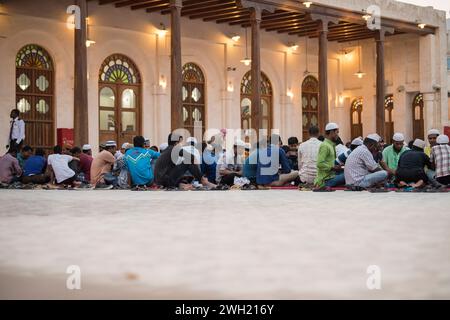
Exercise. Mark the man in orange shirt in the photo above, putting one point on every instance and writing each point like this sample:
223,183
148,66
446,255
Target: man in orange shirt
102,166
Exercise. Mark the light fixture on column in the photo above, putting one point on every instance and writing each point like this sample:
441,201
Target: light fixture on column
247,61
290,94
162,31
306,57
89,41
307,3
230,86
366,16
162,81
359,74
293,46
235,37
421,25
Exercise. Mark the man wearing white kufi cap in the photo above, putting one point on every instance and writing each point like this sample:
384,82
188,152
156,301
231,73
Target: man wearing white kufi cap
342,158
392,153
326,167
432,136
411,166
440,157
361,169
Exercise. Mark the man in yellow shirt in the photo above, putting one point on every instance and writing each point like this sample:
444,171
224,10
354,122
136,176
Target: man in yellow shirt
432,136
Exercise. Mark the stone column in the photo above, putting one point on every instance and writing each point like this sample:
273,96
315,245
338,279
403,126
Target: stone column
176,68
80,101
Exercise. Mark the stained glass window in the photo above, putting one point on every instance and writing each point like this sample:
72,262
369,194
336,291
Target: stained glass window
33,56
310,84
119,69
266,102
193,95
192,73
34,95
246,84
310,104
389,102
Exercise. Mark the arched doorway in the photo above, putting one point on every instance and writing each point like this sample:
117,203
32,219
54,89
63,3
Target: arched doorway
193,98
119,100
356,118
310,105
418,117
34,95
247,118
389,122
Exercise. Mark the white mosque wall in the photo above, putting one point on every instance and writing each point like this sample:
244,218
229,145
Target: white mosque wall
413,64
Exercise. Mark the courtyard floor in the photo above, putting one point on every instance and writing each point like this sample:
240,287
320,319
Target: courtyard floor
233,244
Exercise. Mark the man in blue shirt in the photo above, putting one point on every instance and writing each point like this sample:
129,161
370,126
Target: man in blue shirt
35,167
139,162
271,158
251,165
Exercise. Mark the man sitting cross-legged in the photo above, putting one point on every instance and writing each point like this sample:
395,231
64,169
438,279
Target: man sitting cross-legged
361,169
440,156
139,162
35,168
326,167
411,166
231,164
270,158
58,167
10,170
392,153
101,167
174,162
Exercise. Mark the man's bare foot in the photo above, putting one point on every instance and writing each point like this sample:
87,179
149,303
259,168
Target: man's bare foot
418,184
402,184
185,186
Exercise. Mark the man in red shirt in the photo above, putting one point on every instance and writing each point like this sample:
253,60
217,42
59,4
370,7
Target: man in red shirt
84,165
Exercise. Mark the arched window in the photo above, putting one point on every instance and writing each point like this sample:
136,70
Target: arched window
247,118
119,99
310,104
356,118
389,121
193,98
34,95
418,117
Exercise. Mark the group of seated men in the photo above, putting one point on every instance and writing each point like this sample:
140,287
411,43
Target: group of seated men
322,162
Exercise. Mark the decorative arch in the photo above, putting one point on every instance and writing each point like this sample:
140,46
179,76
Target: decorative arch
310,104
389,121
35,95
418,117
120,107
247,118
193,96
356,118
118,68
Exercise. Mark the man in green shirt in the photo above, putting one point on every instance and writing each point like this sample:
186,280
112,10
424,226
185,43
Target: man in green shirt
392,154
326,168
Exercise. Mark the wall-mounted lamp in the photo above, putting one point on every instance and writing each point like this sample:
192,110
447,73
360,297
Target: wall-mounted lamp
421,25
290,94
230,86
235,37
162,81
162,31
366,16
89,41
307,3
293,46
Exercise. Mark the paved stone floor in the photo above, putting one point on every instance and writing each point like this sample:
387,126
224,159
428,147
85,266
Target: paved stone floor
234,244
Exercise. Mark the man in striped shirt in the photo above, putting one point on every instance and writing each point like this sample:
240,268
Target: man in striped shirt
361,169
440,156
